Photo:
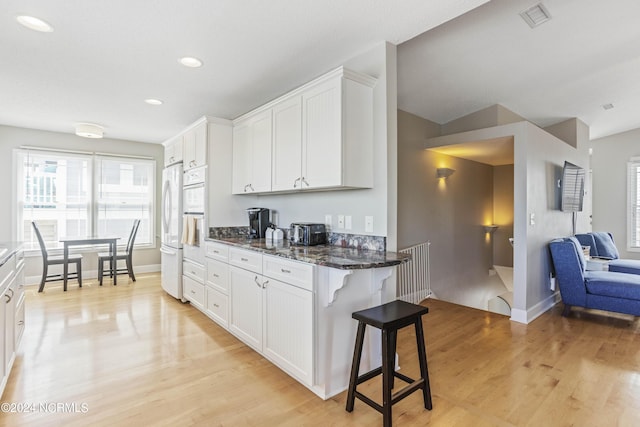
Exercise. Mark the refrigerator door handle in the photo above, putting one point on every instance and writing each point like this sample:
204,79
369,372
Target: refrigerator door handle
166,205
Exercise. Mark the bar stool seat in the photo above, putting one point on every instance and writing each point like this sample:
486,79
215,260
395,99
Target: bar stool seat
389,318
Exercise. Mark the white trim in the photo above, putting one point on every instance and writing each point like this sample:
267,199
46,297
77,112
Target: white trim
528,316
93,274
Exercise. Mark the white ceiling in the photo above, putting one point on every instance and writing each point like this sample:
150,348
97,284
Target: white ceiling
586,56
105,57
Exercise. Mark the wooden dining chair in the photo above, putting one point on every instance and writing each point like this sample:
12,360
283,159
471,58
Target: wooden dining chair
127,256
48,260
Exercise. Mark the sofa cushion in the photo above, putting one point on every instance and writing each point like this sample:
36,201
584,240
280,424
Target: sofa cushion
604,245
630,266
613,284
588,240
578,248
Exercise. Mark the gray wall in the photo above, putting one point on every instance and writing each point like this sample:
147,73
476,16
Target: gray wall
449,213
538,160
609,166
13,137
503,215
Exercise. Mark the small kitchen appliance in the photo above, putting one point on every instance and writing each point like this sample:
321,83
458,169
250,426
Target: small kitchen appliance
307,234
258,222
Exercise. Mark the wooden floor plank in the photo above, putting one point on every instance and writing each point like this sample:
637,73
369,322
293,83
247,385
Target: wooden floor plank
136,357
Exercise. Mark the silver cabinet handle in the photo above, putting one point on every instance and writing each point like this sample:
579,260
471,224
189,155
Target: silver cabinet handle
257,283
193,292
264,285
305,181
215,275
216,305
244,259
295,183
285,271
21,322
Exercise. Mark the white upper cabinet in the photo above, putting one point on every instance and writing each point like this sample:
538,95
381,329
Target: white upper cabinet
173,151
322,136
195,146
287,144
252,154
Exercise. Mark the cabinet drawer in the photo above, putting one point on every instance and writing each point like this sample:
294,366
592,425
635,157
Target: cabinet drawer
218,307
218,275
193,291
218,251
19,325
193,270
249,260
296,273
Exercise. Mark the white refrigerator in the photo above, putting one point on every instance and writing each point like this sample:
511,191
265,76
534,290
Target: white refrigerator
171,249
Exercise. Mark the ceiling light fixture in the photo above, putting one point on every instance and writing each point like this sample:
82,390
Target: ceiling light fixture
191,62
34,23
152,101
89,130
607,106
536,15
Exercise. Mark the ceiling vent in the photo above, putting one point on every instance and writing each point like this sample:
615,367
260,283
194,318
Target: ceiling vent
536,15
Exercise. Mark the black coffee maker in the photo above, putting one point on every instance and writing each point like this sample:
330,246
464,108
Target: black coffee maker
258,222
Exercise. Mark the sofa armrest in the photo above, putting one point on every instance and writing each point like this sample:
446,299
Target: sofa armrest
569,271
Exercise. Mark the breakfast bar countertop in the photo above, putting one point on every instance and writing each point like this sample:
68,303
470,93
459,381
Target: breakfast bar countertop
324,255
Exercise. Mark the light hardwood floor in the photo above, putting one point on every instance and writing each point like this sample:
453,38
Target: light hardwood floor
134,356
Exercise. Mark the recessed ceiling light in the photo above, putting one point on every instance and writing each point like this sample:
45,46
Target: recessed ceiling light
191,62
89,130
536,15
34,23
152,101
607,106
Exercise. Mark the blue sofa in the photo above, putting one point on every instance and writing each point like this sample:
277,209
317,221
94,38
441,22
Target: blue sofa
602,290
602,246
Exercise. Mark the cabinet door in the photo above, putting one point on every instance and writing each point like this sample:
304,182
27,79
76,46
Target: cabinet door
241,164
261,152
10,330
287,145
195,147
217,307
246,306
288,338
322,135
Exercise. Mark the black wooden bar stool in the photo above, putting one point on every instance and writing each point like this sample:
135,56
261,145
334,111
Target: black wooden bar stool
389,318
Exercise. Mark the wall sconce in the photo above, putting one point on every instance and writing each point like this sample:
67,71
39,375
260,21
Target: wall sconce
490,228
444,172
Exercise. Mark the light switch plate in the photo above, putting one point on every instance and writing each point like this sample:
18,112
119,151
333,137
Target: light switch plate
347,222
368,224
327,220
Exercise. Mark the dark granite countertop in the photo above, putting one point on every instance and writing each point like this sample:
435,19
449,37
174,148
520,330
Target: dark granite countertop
325,255
7,249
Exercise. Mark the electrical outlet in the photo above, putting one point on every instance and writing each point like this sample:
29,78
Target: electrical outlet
341,222
368,224
347,222
552,283
327,220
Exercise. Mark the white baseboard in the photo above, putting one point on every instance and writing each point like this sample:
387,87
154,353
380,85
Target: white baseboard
528,316
93,274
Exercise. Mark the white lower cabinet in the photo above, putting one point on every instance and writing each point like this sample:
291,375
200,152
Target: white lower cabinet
246,306
217,307
288,329
11,313
272,316
193,283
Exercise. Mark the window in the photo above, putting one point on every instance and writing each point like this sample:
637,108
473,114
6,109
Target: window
633,204
78,195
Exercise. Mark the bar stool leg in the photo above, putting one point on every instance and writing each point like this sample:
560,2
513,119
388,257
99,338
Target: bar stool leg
393,337
424,372
387,375
355,366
